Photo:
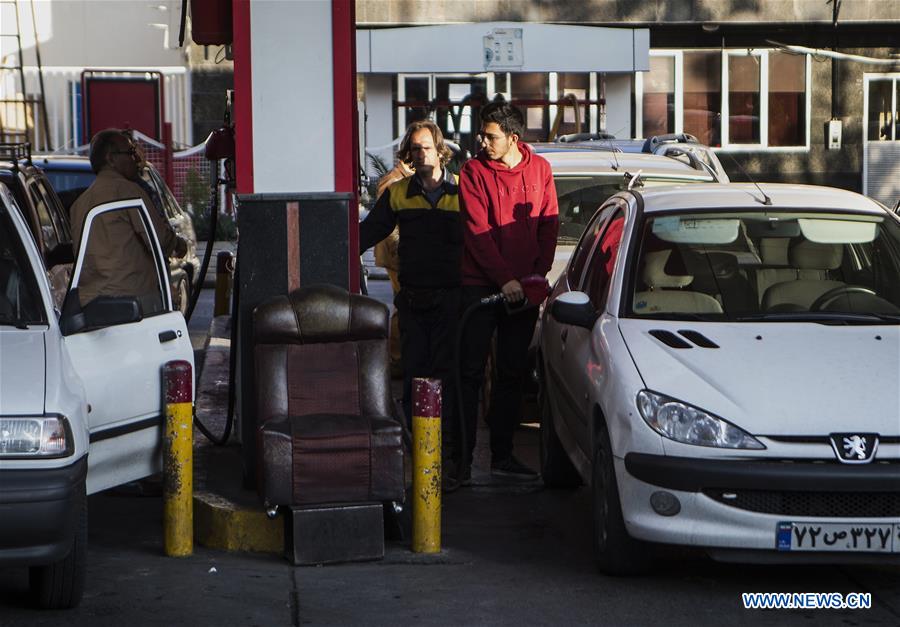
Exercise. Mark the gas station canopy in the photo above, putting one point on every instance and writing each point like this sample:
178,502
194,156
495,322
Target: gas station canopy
502,46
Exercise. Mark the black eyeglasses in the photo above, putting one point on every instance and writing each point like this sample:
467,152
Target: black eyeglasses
131,151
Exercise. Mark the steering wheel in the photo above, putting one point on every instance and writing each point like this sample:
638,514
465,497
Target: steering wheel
833,294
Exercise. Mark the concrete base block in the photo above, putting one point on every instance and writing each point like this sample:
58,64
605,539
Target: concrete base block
334,533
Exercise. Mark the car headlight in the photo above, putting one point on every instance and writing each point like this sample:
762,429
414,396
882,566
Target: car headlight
35,436
680,422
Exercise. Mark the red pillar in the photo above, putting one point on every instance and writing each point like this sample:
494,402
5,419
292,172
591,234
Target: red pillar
243,93
346,133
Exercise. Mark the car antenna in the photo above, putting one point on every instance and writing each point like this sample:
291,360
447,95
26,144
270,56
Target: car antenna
766,200
614,151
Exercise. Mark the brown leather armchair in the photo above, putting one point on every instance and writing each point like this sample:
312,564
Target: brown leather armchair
326,431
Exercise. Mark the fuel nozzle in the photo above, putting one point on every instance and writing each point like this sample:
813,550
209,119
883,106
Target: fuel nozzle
493,299
536,288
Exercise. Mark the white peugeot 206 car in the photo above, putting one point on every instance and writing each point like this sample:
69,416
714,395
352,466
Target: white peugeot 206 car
720,363
81,400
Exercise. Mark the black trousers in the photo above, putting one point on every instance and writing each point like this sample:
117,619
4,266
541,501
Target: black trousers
514,332
428,323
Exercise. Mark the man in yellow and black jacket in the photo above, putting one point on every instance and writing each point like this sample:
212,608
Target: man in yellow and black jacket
425,206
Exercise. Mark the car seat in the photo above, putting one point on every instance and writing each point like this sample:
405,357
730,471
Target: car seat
665,293
327,433
814,265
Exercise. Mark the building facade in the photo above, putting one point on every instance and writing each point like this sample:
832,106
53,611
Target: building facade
112,37
803,91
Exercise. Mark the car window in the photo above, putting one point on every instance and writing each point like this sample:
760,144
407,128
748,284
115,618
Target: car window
586,244
776,265
69,184
160,193
603,260
19,296
580,196
57,212
167,194
49,236
65,180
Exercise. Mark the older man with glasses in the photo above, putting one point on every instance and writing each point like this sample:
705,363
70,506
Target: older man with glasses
119,260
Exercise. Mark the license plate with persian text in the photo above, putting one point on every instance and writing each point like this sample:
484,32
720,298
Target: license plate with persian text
847,537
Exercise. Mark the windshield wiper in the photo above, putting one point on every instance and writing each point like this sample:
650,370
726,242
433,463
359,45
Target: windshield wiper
12,321
822,317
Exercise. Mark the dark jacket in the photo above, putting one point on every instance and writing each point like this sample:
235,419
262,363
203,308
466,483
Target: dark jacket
431,239
510,218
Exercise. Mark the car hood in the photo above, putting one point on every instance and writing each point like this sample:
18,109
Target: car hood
776,378
22,367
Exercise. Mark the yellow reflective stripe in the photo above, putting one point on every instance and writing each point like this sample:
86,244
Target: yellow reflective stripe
400,202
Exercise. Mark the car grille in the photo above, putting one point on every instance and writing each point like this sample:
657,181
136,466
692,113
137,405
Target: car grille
819,504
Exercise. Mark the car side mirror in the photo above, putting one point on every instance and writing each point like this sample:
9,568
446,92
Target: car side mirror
574,308
103,311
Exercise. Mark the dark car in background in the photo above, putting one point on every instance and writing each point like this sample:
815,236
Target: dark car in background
70,175
44,212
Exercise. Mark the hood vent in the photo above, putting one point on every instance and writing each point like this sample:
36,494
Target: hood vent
699,339
669,339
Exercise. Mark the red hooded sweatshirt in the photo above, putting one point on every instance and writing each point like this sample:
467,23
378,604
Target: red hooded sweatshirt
510,218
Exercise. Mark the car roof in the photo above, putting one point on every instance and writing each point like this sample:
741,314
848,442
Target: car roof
750,196
591,162
62,162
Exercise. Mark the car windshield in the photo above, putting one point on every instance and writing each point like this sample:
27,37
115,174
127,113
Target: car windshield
778,266
65,180
20,303
69,184
580,196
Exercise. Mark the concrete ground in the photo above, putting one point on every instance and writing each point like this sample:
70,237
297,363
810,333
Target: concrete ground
512,556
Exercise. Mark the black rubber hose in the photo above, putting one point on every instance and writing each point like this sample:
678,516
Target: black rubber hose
210,241
232,356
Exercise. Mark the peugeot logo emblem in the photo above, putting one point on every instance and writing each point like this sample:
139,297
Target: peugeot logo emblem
854,448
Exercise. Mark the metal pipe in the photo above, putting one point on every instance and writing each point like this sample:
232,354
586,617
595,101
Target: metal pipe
842,56
426,428
178,462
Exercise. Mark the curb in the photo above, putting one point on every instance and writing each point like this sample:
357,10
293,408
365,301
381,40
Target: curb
226,516
220,523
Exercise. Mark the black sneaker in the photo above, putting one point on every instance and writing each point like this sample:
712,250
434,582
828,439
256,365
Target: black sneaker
512,469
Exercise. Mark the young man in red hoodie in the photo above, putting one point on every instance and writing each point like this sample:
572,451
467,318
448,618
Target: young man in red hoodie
510,217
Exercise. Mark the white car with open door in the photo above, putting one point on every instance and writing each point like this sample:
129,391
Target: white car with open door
81,406
720,364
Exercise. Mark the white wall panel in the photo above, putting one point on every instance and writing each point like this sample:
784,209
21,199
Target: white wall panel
618,105
293,110
547,48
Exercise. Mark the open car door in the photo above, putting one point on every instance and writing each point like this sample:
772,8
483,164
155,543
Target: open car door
118,346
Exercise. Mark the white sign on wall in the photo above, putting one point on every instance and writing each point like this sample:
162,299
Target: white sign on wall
503,49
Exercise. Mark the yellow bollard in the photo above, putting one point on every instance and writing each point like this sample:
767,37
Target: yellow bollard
178,454
224,268
426,433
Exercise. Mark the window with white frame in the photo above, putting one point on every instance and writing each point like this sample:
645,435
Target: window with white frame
738,99
658,104
436,96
